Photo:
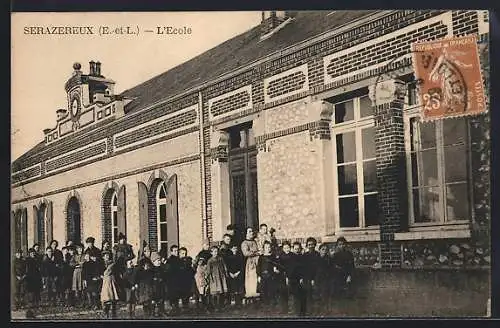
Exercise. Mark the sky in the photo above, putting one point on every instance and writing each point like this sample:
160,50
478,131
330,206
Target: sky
41,64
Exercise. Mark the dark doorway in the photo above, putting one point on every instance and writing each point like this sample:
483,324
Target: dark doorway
243,172
73,227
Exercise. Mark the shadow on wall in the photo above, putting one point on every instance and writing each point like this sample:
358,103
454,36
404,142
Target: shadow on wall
419,293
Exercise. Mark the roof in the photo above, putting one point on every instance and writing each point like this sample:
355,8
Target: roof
224,58
236,52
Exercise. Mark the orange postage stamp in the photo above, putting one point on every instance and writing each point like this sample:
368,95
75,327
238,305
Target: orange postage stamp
450,77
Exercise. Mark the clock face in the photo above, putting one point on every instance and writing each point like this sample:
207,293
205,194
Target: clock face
74,107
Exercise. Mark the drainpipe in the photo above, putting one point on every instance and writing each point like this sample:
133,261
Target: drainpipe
204,227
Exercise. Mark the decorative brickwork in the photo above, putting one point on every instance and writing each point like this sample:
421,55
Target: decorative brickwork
77,156
233,102
286,84
465,22
380,52
160,127
29,173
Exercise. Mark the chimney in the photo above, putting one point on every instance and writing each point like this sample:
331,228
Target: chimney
98,68
271,20
92,67
61,113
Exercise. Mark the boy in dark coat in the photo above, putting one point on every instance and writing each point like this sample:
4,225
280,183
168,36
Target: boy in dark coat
20,276
236,272
91,274
296,279
158,285
33,278
67,274
145,282
130,286
173,267
310,261
123,252
51,275
267,268
187,277
343,262
323,280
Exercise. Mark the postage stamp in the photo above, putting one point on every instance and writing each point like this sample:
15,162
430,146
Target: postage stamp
450,75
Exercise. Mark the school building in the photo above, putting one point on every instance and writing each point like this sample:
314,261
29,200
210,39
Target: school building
307,122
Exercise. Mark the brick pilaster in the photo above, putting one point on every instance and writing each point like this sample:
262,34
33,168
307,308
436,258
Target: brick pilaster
391,168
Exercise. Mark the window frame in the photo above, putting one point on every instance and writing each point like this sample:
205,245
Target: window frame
413,111
356,125
159,202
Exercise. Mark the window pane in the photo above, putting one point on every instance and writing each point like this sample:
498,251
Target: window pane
370,175
371,210
365,108
251,137
426,205
428,168
163,231
115,235
115,200
348,211
115,218
414,170
162,192
428,135
457,202
368,139
455,159
346,147
344,112
163,213
454,131
163,247
347,179
413,133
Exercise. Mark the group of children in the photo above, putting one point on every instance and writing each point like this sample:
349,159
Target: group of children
216,278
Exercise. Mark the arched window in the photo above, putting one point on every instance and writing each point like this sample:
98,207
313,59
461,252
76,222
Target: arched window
73,221
114,221
161,216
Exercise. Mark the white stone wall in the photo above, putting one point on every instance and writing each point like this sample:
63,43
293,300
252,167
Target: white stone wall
287,116
289,192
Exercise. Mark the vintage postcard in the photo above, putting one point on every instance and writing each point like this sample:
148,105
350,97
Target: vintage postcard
250,164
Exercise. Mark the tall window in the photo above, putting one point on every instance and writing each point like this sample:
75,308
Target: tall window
438,163
355,167
161,212
114,219
73,221
41,213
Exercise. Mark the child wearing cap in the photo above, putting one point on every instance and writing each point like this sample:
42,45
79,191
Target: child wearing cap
158,298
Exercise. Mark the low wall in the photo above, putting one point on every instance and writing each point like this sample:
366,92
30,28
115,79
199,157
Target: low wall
417,293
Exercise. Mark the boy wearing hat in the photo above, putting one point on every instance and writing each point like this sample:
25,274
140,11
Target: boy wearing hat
91,249
343,262
122,252
33,278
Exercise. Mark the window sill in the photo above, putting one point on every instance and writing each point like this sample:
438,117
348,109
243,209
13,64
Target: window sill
436,232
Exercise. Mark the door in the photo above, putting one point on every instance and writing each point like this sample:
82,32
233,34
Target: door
243,172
